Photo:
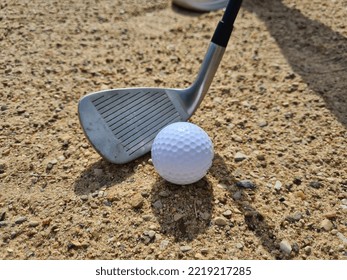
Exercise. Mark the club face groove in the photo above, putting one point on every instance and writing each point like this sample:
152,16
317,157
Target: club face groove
121,124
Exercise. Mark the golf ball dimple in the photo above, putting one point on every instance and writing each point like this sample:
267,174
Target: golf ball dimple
182,153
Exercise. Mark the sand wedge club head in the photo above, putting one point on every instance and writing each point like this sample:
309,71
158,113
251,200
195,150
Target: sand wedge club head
201,5
121,124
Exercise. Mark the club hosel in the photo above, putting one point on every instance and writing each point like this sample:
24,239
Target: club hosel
196,92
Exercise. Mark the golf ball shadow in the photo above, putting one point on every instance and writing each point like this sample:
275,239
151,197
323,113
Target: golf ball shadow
183,212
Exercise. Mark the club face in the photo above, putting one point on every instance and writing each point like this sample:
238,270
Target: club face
121,124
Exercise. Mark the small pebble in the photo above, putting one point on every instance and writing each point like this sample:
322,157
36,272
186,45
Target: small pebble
147,217
289,115
237,139
164,244
262,123
297,181
239,157
227,214
158,205
2,216
308,250
330,215
344,201
53,161
341,237
3,166
33,223
300,194
137,201
220,221
285,247
20,110
326,225
295,248
245,184
61,158
237,195
20,220
205,215
84,197
164,194
145,193
185,249
278,185
46,222
260,157
152,227
3,224
198,256
315,184
297,216
14,234
239,246
222,186
246,104
178,216
74,244
150,234
204,251
49,166
94,194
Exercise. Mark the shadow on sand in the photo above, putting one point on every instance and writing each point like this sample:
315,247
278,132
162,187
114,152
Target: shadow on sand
102,174
183,212
255,220
313,50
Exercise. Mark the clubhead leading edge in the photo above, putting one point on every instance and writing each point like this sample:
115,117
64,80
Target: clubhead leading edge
121,124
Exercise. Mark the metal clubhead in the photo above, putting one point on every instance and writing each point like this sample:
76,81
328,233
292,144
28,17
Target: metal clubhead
121,124
201,5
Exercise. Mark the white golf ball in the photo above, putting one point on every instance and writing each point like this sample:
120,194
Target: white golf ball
182,153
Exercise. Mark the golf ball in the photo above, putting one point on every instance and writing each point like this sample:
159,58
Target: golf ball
182,153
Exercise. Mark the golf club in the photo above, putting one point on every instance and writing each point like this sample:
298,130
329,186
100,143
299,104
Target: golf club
121,124
201,5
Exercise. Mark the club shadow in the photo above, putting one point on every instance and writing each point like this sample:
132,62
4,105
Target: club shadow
104,174
183,212
256,222
314,51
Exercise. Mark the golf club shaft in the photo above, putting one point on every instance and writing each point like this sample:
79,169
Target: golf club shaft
224,28
213,57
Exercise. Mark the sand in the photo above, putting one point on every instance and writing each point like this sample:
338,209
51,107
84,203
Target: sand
276,113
